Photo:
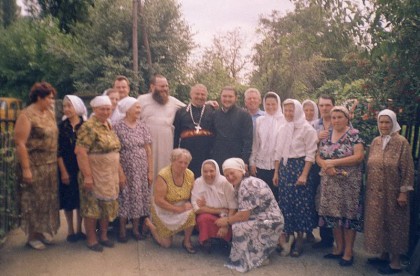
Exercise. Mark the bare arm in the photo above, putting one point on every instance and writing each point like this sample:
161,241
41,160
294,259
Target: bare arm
240,216
22,131
304,175
84,166
210,210
159,195
352,160
150,171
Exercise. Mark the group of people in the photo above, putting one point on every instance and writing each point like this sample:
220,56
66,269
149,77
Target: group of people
158,163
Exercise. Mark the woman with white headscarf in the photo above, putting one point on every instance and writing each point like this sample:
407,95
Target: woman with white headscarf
97,150
264,142
136,161
390,176
75,114
212,197
258,223
311,111
295,154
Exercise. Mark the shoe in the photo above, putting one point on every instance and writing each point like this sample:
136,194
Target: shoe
296,252
72,238
81,236
96,247
46,239
207,246
122,239
265,262
138,236
287,246
377,261
346,262
36,244
333,256
190,249
107,243
387,270
321,244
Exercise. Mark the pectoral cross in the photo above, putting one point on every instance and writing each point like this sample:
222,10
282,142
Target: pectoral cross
197,128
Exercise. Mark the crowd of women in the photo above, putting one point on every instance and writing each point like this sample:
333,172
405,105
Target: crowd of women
304,172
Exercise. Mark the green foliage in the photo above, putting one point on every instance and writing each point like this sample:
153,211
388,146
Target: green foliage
9,12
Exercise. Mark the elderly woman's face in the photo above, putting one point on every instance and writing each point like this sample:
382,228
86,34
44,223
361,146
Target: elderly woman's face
68,109
385,125
180,164
47,102
289,112
103,112
114,97
134,111
339,121
209,173
233,176
308,108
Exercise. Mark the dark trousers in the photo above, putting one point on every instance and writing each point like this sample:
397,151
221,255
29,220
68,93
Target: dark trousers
267,176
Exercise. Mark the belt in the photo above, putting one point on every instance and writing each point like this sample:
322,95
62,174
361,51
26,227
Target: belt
196,133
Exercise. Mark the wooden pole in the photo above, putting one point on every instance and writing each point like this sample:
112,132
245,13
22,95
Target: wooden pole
135,46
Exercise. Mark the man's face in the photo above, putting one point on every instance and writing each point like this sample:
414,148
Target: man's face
228,98
252,101
160,90
198,96
122,87
325,106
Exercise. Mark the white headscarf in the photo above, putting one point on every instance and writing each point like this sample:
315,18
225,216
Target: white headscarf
234,163
267,125
100,101
316,111
78,105
395,125
286,131
125,104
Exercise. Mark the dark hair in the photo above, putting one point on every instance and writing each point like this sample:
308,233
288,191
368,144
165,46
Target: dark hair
156,76
229,88
271,96
327,97
42,90
121,78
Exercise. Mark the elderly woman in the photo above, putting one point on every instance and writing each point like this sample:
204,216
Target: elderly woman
36,137
311,111
257,225
212,197
264,142
295,154
136,161
75,114
97,150
390,173
340,158
171,209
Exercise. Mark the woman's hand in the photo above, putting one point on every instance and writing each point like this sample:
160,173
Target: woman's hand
253,171
65,178
402,199
276,179
323,134
150,178
122,180
187,206
327,164
201,202
222,232
331,172
88,184
301,180
222,222
27,176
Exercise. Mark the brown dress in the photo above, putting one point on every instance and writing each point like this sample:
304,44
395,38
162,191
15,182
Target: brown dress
39,200
389,171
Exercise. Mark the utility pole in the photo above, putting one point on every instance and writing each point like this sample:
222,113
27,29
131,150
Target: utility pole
135,46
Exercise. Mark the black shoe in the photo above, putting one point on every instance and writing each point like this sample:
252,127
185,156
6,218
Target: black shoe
321,244
72,238
387,270
346,262
333,256
107,243
377,261
96,247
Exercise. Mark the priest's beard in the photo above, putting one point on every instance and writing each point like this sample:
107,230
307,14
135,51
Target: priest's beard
160,97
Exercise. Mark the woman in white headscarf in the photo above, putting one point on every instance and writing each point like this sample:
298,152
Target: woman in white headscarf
75,114
390,176
136,161
264,142
212,197
295,154
258,223
311,111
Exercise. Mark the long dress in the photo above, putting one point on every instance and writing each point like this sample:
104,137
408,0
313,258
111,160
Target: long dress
340,202
169,223
69,193
255,239
388,172
39,200
159,119
134,198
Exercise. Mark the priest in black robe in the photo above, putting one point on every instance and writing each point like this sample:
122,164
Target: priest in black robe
233,129
194,128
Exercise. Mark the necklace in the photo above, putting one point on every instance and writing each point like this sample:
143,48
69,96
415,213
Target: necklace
197,125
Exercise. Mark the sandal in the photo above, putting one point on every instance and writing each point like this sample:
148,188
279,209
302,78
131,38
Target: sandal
36,244
189,249
122,239
107,243
95,247
48,240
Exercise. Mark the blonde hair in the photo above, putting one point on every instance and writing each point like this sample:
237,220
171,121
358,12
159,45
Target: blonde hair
178,152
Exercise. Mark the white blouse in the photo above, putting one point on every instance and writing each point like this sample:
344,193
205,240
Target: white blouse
218,195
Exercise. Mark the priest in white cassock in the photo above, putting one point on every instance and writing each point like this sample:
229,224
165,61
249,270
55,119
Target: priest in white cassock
158,112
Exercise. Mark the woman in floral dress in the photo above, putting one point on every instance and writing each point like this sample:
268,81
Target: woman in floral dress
340,158
136,161
257,225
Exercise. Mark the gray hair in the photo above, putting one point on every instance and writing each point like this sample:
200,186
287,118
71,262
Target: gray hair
179,152
252,90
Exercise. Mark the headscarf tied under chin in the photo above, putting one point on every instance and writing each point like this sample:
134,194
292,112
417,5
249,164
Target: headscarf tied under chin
218,175
286,131
125,104
234,163
395,126
316,111
78,106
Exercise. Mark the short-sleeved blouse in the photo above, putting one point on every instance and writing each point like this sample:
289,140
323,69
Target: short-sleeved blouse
344,147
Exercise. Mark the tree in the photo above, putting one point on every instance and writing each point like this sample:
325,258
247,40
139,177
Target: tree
9,12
